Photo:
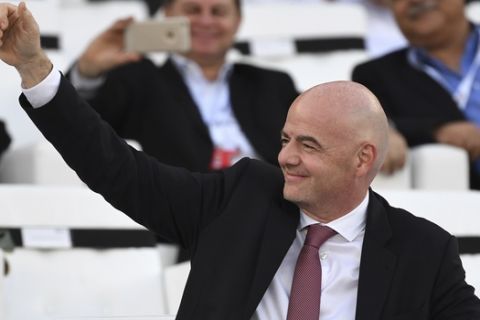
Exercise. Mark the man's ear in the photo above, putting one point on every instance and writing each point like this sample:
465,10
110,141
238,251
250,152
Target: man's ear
365,158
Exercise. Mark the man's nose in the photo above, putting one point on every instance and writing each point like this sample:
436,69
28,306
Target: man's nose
205,17
288,155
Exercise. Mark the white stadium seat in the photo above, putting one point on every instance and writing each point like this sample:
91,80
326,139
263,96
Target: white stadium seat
440,167
175,280
75,255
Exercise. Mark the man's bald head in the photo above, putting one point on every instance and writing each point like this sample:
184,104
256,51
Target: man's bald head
351,111
334,142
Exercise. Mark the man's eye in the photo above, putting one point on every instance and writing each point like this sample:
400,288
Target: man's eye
283,141
308,147
219,12
191,10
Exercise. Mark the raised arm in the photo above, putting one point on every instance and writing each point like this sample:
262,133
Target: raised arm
165,199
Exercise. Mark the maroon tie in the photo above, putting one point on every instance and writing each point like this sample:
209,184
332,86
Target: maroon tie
304,301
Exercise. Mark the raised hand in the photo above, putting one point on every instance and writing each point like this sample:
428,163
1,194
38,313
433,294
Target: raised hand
106,51
20,44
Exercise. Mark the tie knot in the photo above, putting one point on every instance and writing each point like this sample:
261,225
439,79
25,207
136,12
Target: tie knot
318,234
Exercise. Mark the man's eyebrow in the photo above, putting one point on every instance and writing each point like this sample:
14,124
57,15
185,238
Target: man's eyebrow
302,138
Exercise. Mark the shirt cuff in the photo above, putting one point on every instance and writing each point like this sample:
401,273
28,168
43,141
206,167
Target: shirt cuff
42,93
85,84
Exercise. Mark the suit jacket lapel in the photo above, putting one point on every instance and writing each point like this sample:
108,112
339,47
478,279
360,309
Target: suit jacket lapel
377,263
431,90
242,97
279,234
183,98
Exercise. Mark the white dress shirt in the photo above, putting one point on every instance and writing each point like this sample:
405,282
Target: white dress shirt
340,260
45,91
213,100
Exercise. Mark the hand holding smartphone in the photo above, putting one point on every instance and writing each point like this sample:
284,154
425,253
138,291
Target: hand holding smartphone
167,34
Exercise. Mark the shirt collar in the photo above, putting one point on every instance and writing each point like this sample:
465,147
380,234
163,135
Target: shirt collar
191,69
348,226
418,57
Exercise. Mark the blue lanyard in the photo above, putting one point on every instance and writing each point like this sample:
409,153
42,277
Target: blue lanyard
464,89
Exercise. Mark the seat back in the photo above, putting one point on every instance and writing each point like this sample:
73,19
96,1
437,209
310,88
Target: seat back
39,163
175,280
75,256
440,167
429,167
303,40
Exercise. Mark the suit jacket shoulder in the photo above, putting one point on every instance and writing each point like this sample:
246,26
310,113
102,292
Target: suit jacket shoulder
410,269
261,72
393,59
415,102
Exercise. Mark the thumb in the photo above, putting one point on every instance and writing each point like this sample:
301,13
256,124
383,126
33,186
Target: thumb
24,12
28,22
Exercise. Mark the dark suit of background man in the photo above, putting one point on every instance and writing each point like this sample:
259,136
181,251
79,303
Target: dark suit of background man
431,90
213,112
246,224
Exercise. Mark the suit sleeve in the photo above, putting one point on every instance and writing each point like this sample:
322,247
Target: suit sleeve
170,201
452,297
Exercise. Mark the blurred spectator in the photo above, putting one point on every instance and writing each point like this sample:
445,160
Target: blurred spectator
4,138
431,89
197,110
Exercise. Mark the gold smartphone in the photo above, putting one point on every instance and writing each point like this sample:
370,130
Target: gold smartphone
168,34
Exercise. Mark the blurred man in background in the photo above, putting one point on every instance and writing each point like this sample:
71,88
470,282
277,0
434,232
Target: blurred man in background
431,89
214,112
217,112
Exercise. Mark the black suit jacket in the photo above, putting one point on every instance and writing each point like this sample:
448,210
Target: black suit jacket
240,227
416,103
153,106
